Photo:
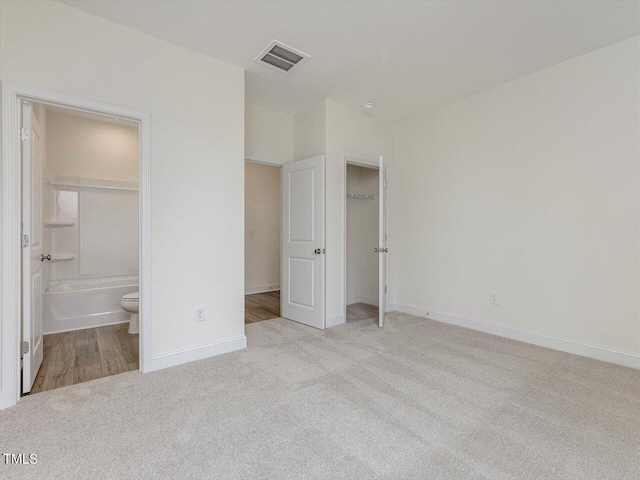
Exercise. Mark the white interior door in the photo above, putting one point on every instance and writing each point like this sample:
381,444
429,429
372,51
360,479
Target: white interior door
303,235
33,229
382,241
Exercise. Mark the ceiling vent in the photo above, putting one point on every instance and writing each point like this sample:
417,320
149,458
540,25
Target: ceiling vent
281,57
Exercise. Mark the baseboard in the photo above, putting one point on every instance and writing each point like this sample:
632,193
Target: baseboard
271,287
172,359
362,299
333,321
597,352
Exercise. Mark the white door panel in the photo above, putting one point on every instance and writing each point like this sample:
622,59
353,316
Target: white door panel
32,226
303,235
382,241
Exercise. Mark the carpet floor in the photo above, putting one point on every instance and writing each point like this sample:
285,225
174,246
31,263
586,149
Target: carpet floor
415,400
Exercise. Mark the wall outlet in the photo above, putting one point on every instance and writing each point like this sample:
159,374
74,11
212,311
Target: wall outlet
200,317
494,298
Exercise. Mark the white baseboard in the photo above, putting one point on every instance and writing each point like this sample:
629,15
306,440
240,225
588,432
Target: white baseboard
271,287
597,352
362,299
171,359
333,321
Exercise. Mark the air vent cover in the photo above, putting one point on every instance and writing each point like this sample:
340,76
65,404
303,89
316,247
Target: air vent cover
281,57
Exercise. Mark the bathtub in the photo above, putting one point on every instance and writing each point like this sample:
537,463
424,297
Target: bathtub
86,303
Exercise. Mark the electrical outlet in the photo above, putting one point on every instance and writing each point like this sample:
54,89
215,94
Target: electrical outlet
200,317
494,298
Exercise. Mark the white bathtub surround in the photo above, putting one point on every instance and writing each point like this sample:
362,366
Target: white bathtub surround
85,303
93,241
96,221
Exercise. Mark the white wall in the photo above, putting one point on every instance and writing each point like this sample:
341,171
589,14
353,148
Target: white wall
310,132
262,228
268,135
196,107
362,236
531,190
81,146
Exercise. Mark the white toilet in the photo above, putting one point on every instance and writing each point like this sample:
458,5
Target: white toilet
130,303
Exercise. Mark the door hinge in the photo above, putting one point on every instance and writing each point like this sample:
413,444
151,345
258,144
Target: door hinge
24,134
385,289
25,241
25,348
385,184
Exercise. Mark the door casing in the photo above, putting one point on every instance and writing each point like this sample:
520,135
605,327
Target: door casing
12,96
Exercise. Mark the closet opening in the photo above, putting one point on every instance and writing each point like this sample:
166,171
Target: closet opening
362,219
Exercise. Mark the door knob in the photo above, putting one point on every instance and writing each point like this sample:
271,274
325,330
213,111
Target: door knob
375,250
317,251
44,257
386,250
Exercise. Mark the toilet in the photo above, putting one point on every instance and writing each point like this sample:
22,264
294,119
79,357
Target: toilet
130,303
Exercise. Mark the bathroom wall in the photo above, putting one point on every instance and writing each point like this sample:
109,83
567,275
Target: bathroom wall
362,236
87,146
91,212
262,228
91,174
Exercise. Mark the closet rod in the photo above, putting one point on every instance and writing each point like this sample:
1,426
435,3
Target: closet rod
363,197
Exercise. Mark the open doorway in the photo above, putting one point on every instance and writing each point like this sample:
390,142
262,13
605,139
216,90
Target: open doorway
80,265
285,241
34,230
263,191
362,251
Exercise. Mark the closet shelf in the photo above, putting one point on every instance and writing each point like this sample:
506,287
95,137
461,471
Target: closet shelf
361,196
61,257
59,223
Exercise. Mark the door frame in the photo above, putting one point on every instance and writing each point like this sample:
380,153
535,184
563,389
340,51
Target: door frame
12,96
358,162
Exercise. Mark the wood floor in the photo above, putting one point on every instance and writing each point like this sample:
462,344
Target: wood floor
83,355
261,306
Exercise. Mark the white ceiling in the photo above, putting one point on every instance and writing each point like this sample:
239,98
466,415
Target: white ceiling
406,57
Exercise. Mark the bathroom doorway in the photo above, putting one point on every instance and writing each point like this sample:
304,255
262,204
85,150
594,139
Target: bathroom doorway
262,240
80,269
79,175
